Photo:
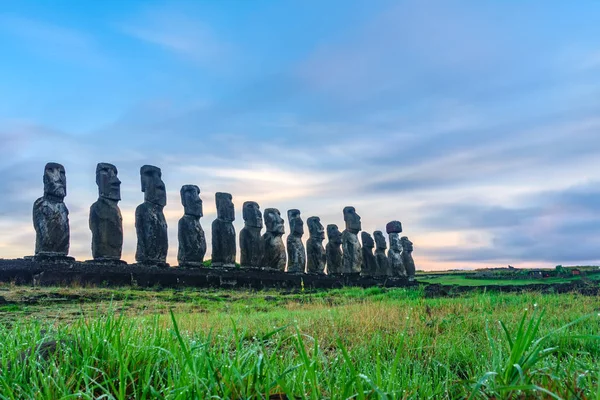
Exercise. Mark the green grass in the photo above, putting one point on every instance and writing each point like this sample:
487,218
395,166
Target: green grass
462,280
348,343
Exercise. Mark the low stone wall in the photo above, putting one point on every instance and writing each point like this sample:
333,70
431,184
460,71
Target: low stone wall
30,272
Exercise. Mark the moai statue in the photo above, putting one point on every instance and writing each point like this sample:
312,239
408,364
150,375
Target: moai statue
315,251
333,250
51,216
272,247
350,244
295,247
250,247
407,258
192,242
383,263
223,232
394,229
150,223
369,263
106,222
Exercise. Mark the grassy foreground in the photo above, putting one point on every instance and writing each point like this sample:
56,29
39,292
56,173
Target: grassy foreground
351,343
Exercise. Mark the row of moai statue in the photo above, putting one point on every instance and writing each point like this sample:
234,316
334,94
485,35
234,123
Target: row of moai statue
343,254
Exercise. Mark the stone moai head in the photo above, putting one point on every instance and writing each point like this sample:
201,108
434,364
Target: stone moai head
352,220
395,243
153,185
315,228
380,240
252,215
334,235
191,201
109,185
274,222
393,227
225,208
407,245
296,223
55,181
367,240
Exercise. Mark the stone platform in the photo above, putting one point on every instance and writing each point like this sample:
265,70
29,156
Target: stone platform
66,272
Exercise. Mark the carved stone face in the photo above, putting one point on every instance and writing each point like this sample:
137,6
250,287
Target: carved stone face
153,185
315,228
252,215
225,208
274,222
109,185
367,240
407,245
395,242
380,240
191,201
334,235
352,220
296,223
55,181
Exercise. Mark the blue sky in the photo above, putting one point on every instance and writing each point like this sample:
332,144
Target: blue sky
475,123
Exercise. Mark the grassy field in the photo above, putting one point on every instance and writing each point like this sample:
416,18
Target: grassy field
90,343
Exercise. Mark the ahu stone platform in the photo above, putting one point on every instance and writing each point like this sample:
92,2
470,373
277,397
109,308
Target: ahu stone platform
67,272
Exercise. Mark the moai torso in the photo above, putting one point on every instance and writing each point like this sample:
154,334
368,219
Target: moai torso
150,222
315,252
369,263
192,241
333,250
352,254
51,216
295,248
106,222
250,237
223,232
273,249
383,263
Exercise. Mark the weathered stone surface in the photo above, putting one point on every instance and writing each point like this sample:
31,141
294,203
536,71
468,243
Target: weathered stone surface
407,258
369,263
250,239
295,247
106,222
150,223
333,250
51,216
315,251
393,227
273,248
223,232
395,256
383,263
192,241
350,244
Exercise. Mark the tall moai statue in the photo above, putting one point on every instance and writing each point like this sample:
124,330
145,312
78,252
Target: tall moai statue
223,232
295,247
192,241
272,247
369,262
383,262
150,223
350,244
51,216
333,250
407,258
250,246
394,229
315,252
106,222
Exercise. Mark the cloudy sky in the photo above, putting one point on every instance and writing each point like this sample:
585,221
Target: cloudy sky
475,123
